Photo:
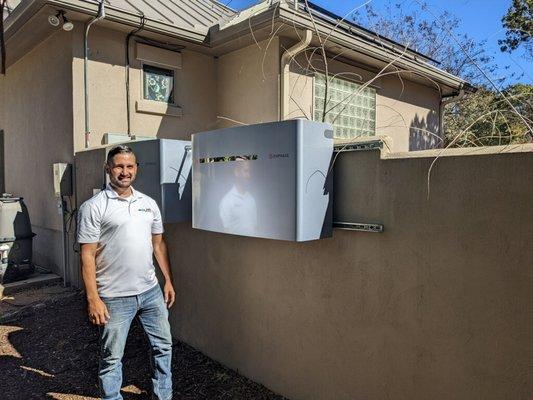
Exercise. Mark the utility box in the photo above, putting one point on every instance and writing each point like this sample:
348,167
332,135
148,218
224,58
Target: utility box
62,179
268,180
164,174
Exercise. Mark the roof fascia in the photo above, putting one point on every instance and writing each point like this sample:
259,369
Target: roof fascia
220,36
405,59
27,9
20,15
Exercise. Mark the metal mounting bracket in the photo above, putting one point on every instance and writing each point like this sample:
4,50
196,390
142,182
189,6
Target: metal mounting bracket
359,226
370,145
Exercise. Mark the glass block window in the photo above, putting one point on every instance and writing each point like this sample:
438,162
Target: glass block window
350,110
158,84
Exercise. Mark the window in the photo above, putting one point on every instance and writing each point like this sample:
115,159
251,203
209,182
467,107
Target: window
349,108
158,84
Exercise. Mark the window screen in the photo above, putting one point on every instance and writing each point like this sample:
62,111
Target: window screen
350,109
158,84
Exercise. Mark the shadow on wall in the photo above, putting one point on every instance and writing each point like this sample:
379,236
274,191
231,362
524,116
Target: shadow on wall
424,132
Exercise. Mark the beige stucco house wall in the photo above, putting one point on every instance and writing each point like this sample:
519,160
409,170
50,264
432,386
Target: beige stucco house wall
407,112
195,95
36,117
42,114
247,84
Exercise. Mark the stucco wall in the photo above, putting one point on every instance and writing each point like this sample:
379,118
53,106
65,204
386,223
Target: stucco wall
36,116
406,111
436,307
248,84
195,91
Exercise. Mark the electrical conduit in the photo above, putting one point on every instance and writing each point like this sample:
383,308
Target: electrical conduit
100,16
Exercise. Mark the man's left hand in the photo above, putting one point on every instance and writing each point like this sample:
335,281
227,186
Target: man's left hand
169,293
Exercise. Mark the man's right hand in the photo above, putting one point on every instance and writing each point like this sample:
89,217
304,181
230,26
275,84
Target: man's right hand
97,311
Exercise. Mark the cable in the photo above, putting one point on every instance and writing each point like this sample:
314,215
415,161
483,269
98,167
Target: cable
128,106
2,39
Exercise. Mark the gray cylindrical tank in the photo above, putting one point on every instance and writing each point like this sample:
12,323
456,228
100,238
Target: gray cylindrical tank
16,239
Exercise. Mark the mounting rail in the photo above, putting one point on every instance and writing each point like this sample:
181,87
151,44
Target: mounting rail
359,226
370,145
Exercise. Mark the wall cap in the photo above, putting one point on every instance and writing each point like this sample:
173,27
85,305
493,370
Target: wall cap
387,154
463,151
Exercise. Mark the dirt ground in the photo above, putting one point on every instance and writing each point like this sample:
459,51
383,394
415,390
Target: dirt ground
48,350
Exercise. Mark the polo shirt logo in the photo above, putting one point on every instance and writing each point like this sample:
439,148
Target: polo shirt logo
145,209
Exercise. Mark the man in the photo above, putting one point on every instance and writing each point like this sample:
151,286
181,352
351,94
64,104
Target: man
118,230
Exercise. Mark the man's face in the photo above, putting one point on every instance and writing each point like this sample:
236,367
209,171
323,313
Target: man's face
122,170
243,173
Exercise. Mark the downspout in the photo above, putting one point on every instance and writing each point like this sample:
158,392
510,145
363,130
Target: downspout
447,100
100,16
286,58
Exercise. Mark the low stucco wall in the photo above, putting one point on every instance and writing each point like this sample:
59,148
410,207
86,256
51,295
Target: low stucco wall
436,307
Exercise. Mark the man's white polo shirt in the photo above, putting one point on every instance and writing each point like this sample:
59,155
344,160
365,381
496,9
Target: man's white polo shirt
238,213
123,229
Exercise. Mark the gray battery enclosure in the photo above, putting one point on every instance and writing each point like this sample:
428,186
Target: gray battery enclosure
268,180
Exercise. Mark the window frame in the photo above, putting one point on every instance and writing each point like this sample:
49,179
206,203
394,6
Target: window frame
161,67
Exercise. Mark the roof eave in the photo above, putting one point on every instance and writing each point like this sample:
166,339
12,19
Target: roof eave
402,57
222,34
25,10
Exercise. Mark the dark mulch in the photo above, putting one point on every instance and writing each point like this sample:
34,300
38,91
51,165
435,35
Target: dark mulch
50,352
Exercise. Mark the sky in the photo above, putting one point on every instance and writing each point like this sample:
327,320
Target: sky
480,19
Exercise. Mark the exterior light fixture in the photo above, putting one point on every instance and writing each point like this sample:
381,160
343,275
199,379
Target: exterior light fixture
55,20
67,25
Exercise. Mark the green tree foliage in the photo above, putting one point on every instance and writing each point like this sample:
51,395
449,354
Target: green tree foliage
485,118
519,25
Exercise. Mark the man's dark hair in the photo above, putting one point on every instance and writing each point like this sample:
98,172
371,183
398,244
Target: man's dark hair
120,149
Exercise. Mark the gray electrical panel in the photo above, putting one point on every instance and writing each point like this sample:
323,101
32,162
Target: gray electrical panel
268,180
164,174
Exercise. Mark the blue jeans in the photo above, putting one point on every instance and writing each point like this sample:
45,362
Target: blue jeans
153,315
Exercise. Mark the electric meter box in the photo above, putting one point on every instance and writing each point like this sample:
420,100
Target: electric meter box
164,174
268,180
